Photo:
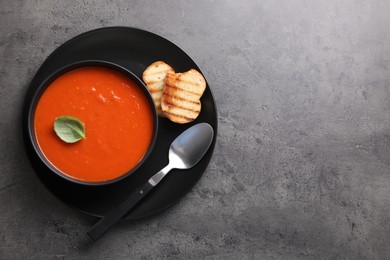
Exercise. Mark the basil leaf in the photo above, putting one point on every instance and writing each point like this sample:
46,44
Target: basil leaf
69,129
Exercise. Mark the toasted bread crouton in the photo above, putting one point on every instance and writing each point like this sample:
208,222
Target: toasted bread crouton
180,101
154,78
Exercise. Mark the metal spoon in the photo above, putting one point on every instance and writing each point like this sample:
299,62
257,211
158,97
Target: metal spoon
184,153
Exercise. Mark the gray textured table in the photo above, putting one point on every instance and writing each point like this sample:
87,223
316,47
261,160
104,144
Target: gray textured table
301,168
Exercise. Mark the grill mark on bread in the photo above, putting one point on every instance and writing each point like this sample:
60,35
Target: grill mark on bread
179,111
180,98
180,116
188,111
170,104
192,83
153,91
179,93
184,90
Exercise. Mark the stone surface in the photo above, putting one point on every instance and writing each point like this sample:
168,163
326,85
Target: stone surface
301,168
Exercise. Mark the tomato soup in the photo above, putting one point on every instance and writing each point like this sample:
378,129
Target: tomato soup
118,121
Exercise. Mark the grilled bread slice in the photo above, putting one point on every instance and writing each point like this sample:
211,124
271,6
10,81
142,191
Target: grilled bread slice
180,101
154,78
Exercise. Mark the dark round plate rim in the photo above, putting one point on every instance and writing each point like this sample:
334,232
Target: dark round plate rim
206,160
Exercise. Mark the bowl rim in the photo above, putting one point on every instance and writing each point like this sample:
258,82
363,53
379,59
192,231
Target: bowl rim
61,71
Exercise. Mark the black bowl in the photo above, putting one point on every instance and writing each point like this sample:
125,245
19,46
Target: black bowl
32,142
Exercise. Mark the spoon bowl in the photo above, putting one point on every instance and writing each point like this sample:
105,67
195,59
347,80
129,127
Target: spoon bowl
188,148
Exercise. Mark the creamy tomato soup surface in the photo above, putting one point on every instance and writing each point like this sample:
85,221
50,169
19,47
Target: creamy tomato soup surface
118,123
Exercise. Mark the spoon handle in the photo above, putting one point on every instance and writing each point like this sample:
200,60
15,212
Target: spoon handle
119,212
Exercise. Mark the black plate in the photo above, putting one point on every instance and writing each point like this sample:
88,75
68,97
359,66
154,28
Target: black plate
133,49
